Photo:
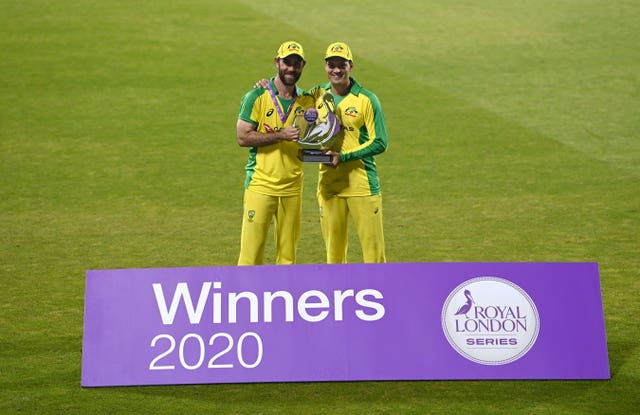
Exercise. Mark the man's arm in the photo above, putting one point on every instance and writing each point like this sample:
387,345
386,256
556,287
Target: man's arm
375,140
248,136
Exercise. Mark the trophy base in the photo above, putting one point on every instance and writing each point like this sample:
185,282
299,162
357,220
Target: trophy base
314,156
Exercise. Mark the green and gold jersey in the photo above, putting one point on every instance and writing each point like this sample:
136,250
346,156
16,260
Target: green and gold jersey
274,169
362,136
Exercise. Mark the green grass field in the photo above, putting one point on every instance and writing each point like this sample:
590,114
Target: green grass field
514,136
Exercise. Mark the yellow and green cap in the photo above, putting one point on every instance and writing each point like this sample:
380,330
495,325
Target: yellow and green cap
339,49
290,48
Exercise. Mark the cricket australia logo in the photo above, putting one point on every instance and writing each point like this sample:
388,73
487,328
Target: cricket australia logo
337,49
490,321
293,47
351,112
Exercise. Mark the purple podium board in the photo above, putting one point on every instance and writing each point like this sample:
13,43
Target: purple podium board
354,322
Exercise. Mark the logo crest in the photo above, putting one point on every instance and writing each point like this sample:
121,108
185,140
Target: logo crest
293,47
351,112
490,321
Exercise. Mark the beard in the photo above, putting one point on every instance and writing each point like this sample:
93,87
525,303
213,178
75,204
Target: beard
288,78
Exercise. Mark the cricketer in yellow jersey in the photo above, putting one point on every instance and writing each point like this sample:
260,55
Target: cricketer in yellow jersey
273,183
349,185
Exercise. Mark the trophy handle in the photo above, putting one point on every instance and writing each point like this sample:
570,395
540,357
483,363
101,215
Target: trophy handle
329,102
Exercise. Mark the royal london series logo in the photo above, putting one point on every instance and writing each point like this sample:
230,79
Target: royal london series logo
490,321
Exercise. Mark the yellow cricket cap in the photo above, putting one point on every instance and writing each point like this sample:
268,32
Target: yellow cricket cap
339,49
290,48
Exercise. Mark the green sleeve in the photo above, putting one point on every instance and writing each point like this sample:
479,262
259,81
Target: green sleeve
246,105
379,142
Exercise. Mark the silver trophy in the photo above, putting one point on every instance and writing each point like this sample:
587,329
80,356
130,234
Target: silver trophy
317,134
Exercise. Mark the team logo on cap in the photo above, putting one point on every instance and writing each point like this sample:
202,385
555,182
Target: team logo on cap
293,47
337,49
490,321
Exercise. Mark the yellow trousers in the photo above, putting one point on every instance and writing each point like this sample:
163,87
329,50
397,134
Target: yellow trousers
366,212
259,211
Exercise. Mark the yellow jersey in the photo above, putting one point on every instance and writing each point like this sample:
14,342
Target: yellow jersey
362,136
274,169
